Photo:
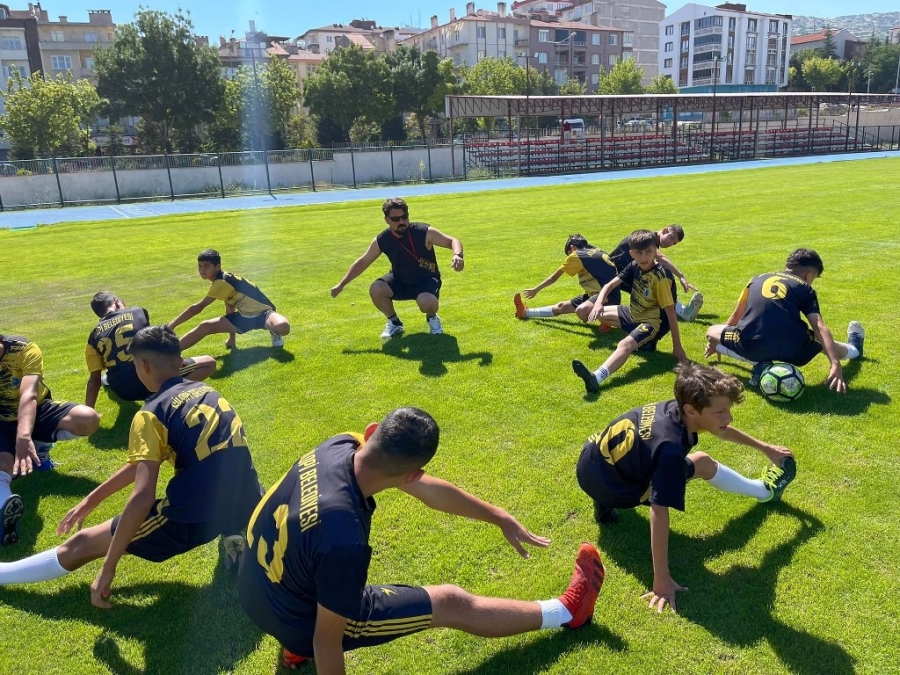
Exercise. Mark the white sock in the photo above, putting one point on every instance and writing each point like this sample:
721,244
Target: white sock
39,567
64,435
852,352
722,349
553,614
539,312
679,309
730,480
601,374
5,491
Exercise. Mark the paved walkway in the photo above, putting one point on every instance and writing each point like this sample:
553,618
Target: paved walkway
35,217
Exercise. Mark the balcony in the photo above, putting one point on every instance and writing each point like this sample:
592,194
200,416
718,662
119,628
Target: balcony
708,31
522,42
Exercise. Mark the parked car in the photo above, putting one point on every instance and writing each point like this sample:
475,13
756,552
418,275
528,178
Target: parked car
637,123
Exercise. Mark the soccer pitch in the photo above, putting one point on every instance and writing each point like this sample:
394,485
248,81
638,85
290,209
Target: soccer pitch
806,586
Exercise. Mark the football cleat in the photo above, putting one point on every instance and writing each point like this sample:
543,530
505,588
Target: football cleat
590,381
434,324
777,478
391,329
521,307
43,453
605,328
291,660
692,309
856,336
757,372
587,579
10,513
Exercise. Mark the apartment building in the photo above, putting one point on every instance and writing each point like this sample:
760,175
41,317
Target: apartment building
365,33
726,45
565,50
304,63
894,36
68,46
846,44
638,19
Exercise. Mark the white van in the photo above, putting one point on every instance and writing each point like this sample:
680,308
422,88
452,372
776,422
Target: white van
576,128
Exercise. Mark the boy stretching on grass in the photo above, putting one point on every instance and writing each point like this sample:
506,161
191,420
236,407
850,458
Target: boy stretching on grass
649,317
213,492
246,307
305,579
642,458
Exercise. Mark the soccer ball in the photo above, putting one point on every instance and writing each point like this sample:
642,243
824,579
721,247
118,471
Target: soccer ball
782,383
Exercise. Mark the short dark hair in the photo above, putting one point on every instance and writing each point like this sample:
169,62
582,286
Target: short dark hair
698,384
641,240
394,203
678,230
805,260
155,340
576,240
405,441
210,255
101,302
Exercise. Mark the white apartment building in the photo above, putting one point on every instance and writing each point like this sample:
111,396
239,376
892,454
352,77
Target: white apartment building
639,19
736,49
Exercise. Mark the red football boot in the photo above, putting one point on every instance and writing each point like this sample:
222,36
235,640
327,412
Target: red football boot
587,579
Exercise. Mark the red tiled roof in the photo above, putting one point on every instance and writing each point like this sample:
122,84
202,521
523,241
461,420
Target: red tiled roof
812,37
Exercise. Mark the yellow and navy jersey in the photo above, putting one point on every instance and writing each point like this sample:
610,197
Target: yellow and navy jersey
621,254
191,426
20,358
107,345
593,266
309,538
411,260
651,291
776,303
641,455
241,293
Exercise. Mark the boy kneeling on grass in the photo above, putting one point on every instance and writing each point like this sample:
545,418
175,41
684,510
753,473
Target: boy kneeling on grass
642,458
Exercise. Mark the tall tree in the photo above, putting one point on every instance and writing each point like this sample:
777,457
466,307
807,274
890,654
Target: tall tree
662,84
796,81
829,46
156,70
624,78
493,77
419,82
573,87
48,116
350,84
821,73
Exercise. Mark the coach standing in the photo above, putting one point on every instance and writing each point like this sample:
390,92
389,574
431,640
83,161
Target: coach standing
414,273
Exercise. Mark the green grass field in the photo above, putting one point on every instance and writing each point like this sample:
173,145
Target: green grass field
807,586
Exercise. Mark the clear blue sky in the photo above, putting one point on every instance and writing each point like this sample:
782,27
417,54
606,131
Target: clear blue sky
281,17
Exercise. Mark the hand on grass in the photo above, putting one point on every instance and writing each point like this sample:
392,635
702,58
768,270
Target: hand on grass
835,379
26,457
75,517
680,354
101,588
664,592
517,535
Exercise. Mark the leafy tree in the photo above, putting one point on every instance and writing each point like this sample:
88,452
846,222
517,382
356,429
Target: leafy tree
419,81
662,84
821,73
624,78
156,70
493,77
49,116
796,80
349,84
829,48
573,87
880,58
300,131
150,137
224,133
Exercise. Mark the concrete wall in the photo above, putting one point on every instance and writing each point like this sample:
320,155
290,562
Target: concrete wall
410,165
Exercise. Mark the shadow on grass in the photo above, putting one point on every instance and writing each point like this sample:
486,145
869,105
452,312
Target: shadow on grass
239,359
183,629
541,653
588,330
735,606
116,436
643,365
433,351
31,488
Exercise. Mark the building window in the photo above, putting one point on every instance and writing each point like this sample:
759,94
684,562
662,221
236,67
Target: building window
89,62
542,57
588,8
595,59
10,42
501,32
328,38
732,22
481,32
3,14
57,36
61,62
784,30
670,30
613,40
685,45
11,70
515,33
628,40
627,56
595,38
686,28
684,62
667,63
90,37
669,46
773,26
543,36
707,22
751,25
481,54
612,59
595,78
748,76
751,42
501,53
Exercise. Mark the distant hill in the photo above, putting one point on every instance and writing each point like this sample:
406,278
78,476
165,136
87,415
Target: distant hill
861,25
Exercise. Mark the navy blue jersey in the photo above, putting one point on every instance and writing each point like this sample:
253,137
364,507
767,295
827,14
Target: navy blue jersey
411,260
776,305
107,345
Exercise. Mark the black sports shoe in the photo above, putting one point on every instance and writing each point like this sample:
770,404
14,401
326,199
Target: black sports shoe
590,381
10,513
757,372
605,515
856,336
777,478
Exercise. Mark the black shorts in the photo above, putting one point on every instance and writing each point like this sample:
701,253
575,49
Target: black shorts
602,482
613,298
387,613
243,323
646,331
49,415
132,389
404,291
159,538
767,350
